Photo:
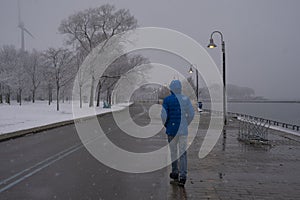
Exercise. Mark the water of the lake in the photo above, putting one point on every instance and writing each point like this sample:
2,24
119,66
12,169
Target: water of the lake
282,112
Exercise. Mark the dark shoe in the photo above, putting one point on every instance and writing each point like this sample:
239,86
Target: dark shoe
174,176
181,181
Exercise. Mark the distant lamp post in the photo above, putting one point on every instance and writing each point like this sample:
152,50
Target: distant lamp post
191,70
197,84
212,45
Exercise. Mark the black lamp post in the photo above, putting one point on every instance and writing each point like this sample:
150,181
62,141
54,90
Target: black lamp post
197,84
212,45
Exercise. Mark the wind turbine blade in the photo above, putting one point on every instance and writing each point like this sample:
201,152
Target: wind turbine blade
28,32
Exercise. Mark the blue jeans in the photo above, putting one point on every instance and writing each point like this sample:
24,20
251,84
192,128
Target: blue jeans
181,142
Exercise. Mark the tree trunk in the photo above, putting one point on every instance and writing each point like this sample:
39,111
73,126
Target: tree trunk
49,101
92,92
20,96
107,96
49,94
1,98
33,95
80,96
63,96
57,97
8,96
98,94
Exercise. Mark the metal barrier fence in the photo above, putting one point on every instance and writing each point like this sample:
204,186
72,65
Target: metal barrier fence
271,122
253,131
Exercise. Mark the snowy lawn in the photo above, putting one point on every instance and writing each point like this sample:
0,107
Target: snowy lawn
15,117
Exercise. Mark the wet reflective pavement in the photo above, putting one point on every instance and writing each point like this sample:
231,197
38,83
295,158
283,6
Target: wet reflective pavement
54,165
235,170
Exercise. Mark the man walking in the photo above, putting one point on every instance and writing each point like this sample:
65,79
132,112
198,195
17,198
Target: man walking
177,113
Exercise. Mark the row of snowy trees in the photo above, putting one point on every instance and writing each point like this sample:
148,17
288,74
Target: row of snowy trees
23,73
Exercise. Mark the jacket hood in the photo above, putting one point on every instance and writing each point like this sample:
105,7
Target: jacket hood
175,87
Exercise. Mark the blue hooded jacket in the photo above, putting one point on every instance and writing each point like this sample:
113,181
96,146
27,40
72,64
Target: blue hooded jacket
177,112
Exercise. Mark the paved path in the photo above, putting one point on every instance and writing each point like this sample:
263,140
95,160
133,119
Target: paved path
54,165
234,170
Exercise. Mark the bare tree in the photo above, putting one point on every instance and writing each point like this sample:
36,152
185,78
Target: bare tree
61,62
79,58
34,69
9,59
90,27
48,79
20,77
115,71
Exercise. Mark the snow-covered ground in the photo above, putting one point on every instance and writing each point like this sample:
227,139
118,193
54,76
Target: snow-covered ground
15,117
278,128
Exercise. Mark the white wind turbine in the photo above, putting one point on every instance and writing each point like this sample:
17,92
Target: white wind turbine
21,25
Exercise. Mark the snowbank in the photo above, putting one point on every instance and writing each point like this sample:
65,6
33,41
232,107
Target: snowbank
15,117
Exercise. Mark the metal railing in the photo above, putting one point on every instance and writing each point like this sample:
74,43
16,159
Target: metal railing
270,122
253,131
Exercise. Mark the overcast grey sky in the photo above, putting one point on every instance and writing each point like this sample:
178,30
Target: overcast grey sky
262,36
